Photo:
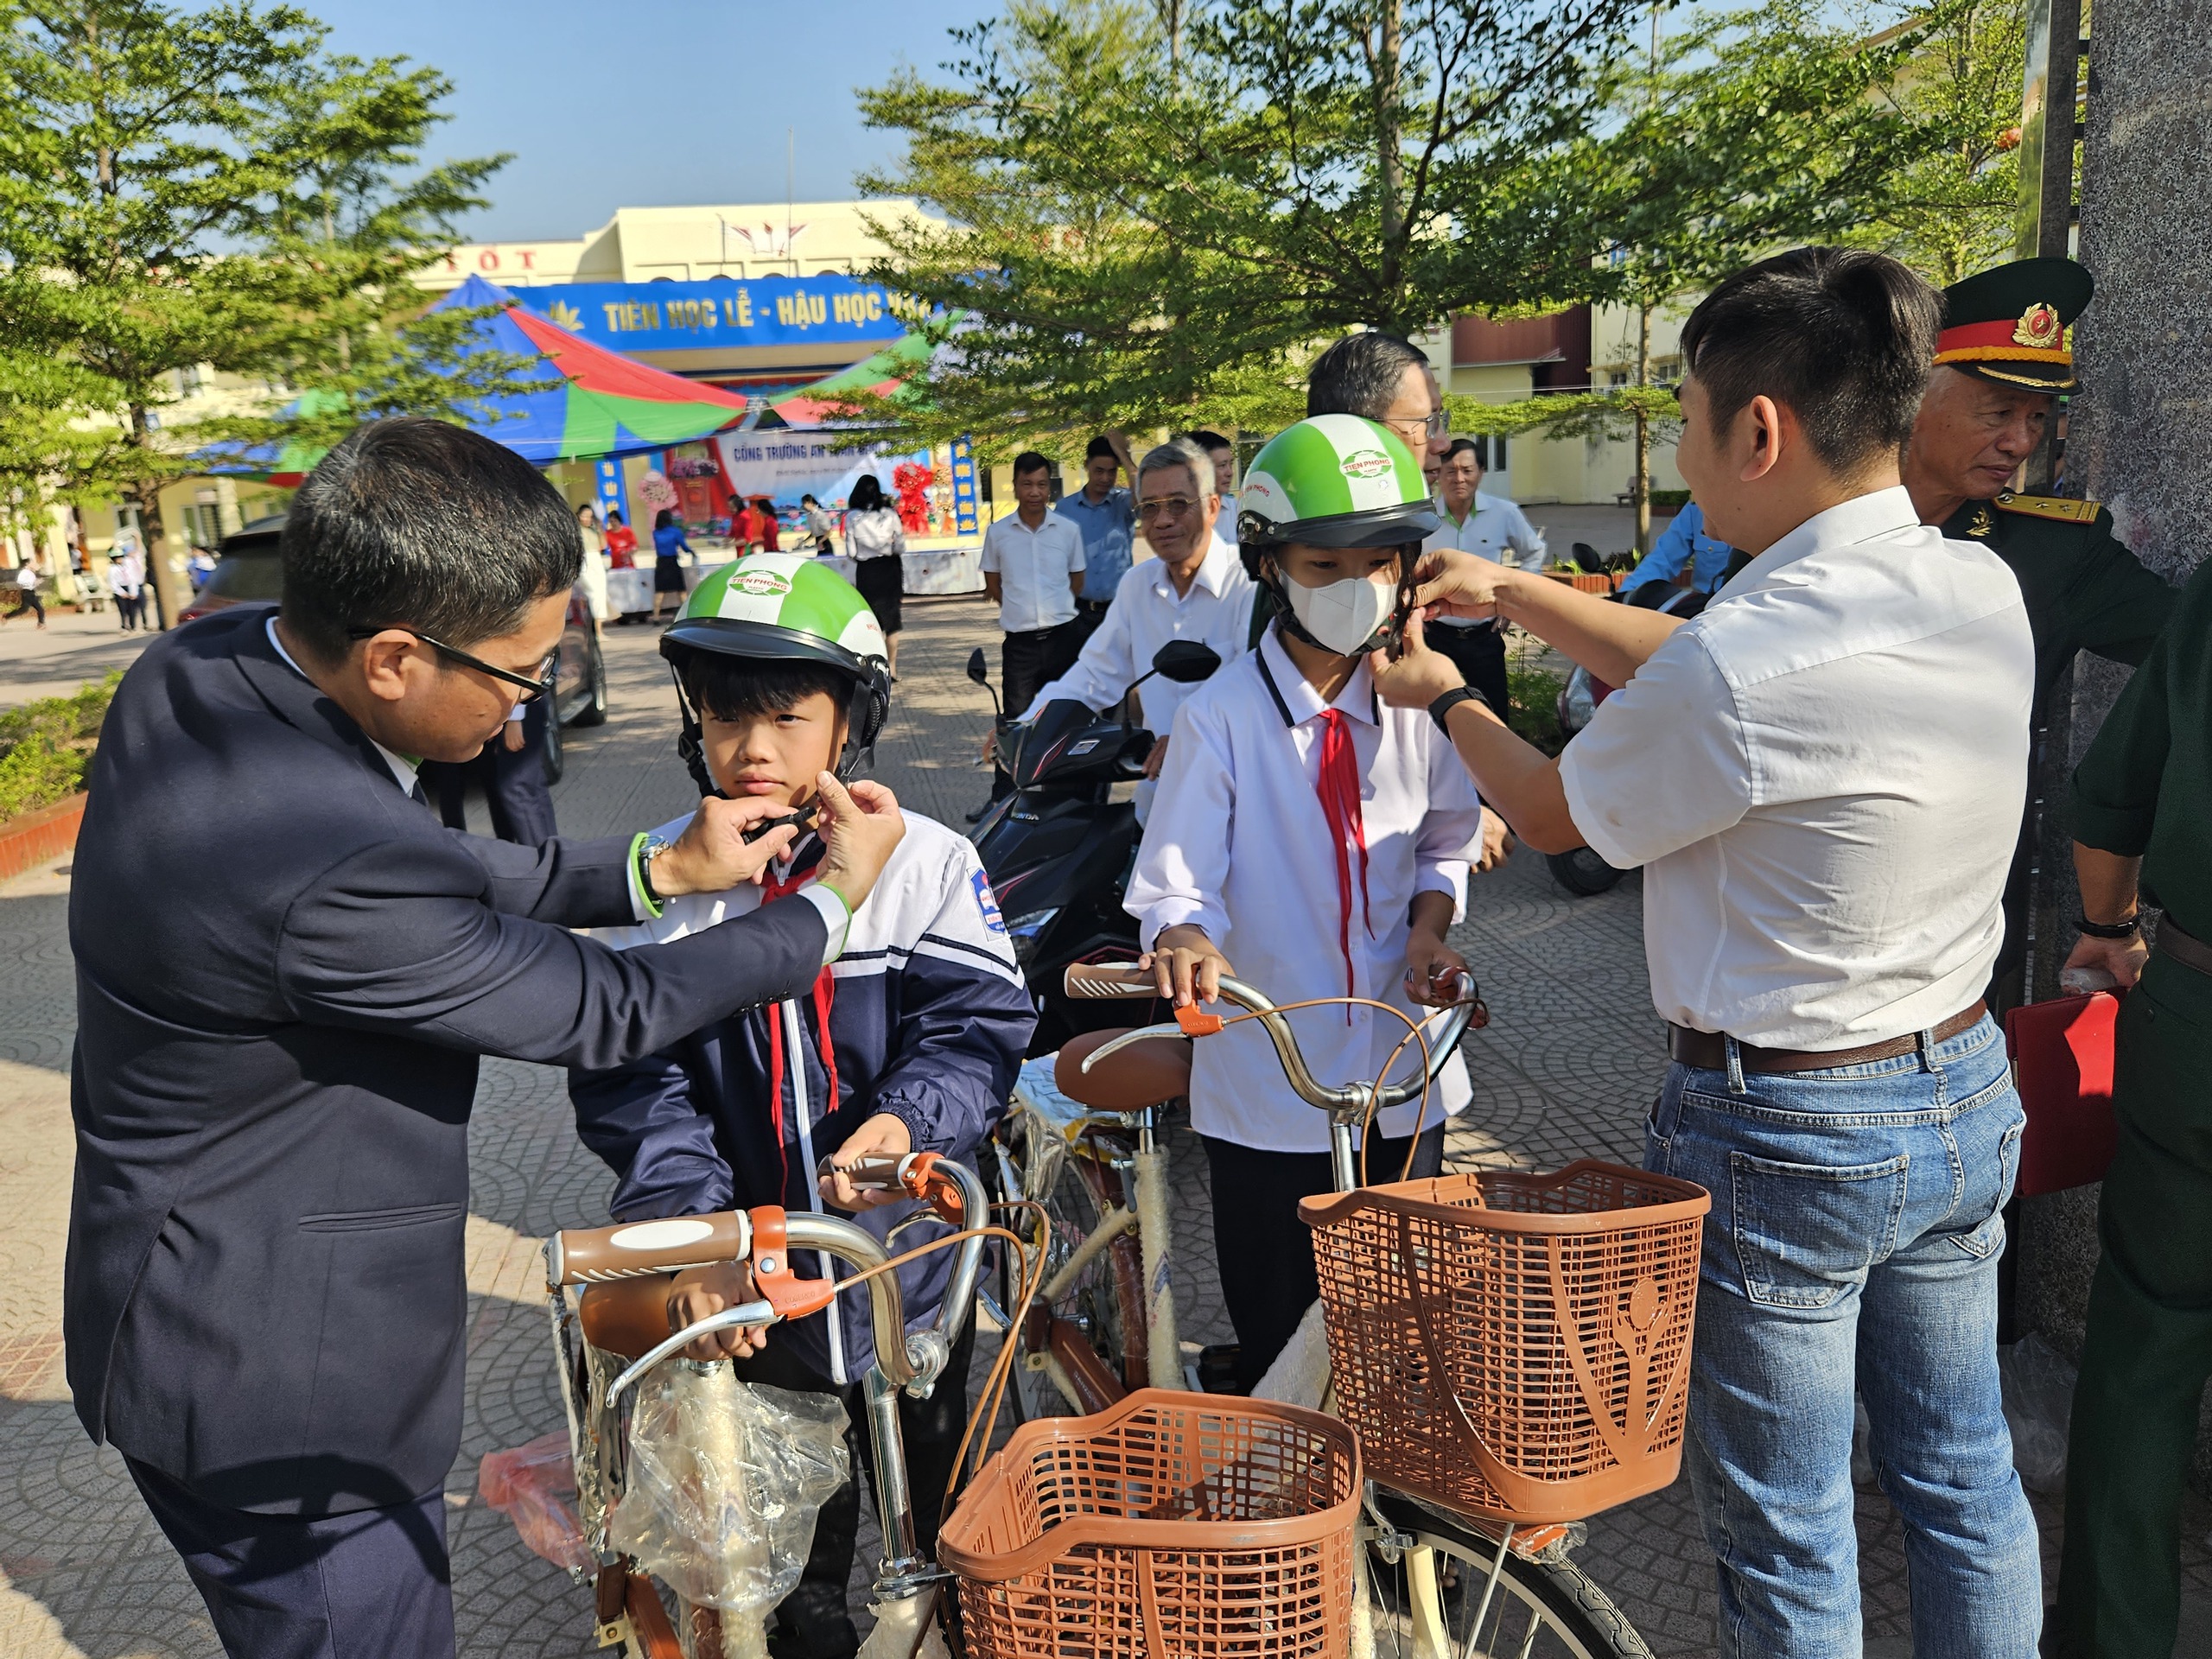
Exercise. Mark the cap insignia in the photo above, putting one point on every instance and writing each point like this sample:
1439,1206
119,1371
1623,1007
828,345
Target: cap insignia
2040,326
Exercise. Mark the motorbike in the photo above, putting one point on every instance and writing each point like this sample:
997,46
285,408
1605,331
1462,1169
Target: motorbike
1580,871
1059,848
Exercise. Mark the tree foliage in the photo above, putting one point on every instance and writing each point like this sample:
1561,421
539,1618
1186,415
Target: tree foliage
1949,211
1139,237
189,188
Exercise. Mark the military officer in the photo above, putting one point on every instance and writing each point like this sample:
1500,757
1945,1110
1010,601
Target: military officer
2143,820
2001,361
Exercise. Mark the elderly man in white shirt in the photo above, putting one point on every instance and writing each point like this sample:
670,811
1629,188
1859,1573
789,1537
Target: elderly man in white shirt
1821,778
1490,527
1193,587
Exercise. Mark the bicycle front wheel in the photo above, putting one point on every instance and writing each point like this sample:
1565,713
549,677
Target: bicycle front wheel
1426,1603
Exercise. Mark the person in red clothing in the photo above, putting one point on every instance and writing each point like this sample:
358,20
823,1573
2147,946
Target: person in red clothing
621,542
765,512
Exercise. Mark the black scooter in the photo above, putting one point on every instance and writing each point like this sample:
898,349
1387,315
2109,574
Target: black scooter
1058,849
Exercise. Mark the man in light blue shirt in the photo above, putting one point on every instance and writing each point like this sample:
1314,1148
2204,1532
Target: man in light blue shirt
1105,516
1490,527
1684,546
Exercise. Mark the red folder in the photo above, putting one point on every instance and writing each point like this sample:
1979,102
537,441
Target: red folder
2062,1064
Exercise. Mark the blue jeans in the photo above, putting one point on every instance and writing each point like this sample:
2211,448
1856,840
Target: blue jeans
1853,1247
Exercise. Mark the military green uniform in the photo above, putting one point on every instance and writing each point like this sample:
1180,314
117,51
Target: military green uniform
2083,590
2146,788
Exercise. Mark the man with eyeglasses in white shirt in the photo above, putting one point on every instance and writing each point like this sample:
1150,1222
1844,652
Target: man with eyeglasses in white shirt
1194,586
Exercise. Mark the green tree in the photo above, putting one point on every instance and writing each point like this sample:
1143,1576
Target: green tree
1950,211
1156,210
188,188
1745,133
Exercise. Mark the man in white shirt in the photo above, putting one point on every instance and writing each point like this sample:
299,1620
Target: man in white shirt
1820,777
1490,527
1321,843
1193,587
1032,571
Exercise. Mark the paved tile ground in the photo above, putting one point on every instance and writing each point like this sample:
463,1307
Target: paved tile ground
1565,1071
70,650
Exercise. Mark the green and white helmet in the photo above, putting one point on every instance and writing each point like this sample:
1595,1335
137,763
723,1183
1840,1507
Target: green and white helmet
786,608
1335,480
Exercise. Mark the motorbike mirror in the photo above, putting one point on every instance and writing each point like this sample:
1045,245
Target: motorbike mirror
976,670
1187,662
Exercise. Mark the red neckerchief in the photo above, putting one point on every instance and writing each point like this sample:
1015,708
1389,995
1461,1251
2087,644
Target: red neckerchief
1339,787
773,887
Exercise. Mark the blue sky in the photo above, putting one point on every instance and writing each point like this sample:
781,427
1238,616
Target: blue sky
646,103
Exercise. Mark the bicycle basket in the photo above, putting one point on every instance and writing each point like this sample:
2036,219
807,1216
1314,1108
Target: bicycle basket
1181,1524
1514,1346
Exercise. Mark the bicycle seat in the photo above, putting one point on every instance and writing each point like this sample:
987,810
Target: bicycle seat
1143,1074
625,1316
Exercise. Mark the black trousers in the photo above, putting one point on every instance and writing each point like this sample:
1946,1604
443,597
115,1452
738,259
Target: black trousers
1479,655
1089,614
1265,1252
374,1584
27,600
814,1621
1032,660
513,782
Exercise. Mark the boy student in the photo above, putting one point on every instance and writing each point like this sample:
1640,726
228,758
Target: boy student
1822,778
1318,840
909,1043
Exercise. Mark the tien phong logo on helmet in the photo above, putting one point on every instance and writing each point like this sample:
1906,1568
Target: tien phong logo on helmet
1365,463
762,584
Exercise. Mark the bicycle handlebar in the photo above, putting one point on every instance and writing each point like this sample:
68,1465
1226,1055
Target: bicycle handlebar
1124,980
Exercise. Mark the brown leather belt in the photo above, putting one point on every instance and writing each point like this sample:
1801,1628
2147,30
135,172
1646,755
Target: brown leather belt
1708,1050
2183,949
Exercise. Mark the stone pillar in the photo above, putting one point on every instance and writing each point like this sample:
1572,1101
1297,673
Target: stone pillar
2139,437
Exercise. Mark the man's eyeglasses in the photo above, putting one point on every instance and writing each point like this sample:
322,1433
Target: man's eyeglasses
529,691
1418,433
1173,506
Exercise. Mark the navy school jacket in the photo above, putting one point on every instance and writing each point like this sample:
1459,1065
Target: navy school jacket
286,969
928,1020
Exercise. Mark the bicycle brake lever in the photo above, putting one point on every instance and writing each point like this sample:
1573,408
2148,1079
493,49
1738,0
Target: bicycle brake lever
804,819
1142,1034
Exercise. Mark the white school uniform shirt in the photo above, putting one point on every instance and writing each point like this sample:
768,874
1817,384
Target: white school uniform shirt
1238,845
1822,775
1034,566
1494,529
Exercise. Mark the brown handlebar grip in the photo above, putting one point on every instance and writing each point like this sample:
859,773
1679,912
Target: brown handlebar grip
1104,979
597,1255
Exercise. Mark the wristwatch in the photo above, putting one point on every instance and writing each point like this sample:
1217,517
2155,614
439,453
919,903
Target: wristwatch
2122,930
649,849
1439,711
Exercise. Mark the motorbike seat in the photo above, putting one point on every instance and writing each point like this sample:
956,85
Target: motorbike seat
625,1316
1145,1074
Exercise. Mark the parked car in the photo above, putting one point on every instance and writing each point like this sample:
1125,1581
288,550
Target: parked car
250,573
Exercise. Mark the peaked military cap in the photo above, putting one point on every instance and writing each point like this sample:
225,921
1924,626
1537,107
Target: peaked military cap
2008,325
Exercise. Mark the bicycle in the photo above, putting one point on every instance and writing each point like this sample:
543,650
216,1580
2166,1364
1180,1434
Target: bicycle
613,1333
1101,1177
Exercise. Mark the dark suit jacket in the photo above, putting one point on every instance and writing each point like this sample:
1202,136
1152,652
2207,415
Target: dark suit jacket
286,969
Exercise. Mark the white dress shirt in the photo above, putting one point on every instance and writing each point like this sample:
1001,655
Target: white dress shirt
875,534
1034,567
1494,529
1238,845
1822,775
1145,613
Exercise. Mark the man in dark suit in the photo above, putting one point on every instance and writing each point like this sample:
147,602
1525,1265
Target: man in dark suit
277,1046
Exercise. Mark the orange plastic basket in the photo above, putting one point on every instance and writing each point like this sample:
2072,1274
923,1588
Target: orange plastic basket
1514,1346
1188,1525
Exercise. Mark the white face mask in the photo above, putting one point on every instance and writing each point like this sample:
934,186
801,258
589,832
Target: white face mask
1344,616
